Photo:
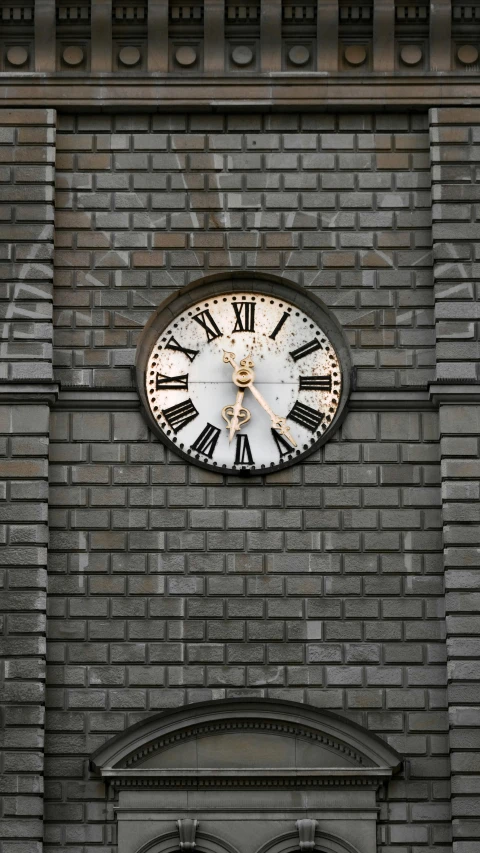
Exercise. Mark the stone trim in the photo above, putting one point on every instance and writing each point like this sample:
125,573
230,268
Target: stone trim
273,91
377,761
244,725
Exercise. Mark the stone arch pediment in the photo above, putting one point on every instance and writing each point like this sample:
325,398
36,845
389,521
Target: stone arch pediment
325,842
261,742
205,842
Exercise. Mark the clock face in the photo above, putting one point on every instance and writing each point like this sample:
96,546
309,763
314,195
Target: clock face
242,380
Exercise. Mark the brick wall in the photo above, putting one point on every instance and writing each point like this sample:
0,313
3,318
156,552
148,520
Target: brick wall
456,158
340,204
27,153
322,583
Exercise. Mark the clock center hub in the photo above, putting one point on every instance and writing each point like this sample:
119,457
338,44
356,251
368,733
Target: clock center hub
243,377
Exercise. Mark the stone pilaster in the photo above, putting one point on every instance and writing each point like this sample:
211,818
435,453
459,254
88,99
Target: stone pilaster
27,153
455,163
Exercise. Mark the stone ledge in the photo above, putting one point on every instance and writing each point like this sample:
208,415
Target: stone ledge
279,90
87,399
454,393
18,393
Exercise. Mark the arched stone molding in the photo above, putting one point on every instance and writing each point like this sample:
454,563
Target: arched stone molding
324,843
247,770
172,747
205,843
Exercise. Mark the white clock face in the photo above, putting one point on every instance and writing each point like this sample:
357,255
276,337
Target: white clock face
243,381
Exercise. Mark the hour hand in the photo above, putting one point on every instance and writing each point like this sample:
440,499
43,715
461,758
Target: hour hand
235,415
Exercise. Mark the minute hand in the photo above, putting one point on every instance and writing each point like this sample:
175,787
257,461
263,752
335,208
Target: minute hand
277,421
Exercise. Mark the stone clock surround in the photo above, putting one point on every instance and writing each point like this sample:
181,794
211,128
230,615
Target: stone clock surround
262,286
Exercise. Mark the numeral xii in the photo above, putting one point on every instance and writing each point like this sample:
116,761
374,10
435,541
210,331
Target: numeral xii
244,316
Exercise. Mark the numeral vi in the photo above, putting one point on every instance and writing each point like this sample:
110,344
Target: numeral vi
243,454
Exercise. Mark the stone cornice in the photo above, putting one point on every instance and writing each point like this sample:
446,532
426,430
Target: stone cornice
279,90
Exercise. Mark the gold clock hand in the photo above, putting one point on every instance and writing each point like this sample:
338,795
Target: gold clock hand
278,422
243,378
236,416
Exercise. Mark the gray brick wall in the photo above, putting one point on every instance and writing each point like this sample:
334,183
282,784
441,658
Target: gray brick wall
27,153
340,204
320,584
455,134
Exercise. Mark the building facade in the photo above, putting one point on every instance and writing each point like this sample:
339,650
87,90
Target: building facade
243,661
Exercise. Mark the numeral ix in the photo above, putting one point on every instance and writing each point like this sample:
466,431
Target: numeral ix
244,316
180,415
306,416
171,383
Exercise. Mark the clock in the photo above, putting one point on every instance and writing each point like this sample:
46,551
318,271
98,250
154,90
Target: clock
243,375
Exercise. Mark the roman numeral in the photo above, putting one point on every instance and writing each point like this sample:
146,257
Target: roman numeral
306,417
243,454
206,321
180,415
283,446
306,349
244,316
316,383
207,441
279,325
190,353
171,383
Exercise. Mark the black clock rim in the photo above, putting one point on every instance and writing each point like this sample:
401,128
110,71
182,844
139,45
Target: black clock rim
209,287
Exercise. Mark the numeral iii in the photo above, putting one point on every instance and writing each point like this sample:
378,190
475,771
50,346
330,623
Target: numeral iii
316,383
